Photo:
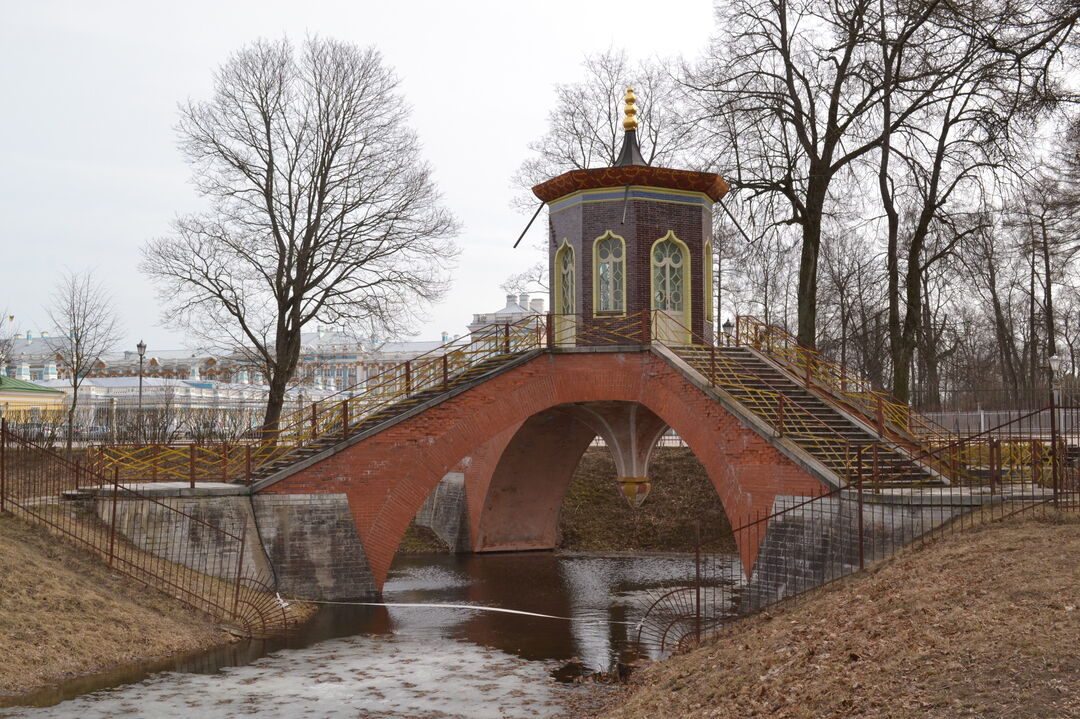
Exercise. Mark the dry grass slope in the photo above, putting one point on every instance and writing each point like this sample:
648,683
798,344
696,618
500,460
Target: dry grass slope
984,623
63,613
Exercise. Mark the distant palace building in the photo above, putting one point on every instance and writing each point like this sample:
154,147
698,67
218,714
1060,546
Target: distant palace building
330,360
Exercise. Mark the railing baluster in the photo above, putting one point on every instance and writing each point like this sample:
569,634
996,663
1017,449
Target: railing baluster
3,464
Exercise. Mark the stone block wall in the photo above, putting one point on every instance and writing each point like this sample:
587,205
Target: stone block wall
185,539
817,542
313,544
446,514
307,543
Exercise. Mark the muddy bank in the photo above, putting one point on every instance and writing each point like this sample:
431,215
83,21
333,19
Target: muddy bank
982,623
63,613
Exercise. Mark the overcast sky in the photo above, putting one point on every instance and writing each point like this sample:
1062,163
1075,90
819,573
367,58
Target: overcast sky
89,91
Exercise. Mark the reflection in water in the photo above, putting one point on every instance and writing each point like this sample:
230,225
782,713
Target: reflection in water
402,661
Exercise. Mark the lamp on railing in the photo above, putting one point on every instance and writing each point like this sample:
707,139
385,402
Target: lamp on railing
727,326
1055,372
141,348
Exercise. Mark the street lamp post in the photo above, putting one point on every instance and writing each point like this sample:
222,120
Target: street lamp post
1055,369
727,330
141,347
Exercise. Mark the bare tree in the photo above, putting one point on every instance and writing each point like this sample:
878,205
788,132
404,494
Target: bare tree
585,123
7,338
321,208
585,131
530,281
801,92
83,315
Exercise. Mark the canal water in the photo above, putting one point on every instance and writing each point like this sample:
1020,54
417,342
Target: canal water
409,661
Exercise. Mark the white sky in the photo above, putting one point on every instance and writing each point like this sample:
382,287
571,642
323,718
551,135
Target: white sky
88,91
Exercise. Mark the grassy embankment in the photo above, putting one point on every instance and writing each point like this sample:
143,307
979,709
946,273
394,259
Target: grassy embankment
63,613
596,518
984,623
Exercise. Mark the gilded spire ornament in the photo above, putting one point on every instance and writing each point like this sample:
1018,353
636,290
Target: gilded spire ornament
630,121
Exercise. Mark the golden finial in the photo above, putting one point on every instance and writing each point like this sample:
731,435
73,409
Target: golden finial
630,121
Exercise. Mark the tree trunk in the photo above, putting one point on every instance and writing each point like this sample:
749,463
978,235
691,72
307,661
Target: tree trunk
808,261
71,417
1048,293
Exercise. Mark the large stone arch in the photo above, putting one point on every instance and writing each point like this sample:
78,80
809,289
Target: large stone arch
387,476
518,483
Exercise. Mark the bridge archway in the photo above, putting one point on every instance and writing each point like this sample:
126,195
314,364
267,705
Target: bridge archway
387,476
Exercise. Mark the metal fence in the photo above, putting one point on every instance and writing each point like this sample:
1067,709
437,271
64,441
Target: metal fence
150,540
802,543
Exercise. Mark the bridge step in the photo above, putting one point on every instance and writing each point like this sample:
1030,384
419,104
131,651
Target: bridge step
811,422
384,415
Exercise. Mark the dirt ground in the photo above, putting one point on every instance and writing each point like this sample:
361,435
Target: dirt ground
64,614
984,623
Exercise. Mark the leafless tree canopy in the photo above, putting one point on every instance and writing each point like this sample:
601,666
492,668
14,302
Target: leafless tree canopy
896,204
7,338
86,325
320,206
585,122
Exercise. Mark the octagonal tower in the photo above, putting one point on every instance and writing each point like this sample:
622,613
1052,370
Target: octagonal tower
629,239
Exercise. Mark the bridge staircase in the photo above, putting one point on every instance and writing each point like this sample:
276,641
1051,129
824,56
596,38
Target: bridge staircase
837,438
838,421
397,405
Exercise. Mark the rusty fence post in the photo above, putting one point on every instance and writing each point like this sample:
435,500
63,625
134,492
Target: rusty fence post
879,416
344,418
995,464
646,328
859,490
876,466
408,377
697,580
247,462
153,462
239,570
550,330
809,364
191,466
3,464
780,416
112,518
445,372
738,322
224,461
314,420
506,338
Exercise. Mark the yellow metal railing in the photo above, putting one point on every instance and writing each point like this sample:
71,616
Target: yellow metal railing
339,415
411,383
880,407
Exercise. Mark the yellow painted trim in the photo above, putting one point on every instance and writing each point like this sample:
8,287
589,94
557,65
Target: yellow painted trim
559,289
657,190
710,281
688,291
596,277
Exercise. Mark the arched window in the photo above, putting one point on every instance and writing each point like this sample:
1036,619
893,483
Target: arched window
564,280
668,263
671,286
710,300
609,271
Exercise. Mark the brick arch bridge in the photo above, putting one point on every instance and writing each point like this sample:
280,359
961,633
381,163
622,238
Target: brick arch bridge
519,434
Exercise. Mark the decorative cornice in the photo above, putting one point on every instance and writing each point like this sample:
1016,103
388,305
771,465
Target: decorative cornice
708,183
